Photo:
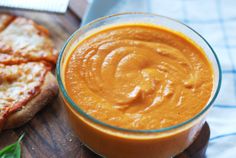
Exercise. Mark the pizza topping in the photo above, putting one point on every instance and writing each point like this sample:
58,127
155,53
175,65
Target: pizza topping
26,55
10,59
18,84
24,38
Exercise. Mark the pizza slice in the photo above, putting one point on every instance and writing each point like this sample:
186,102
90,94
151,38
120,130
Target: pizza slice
24,40
24,90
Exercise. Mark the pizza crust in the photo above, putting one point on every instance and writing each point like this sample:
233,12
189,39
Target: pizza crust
49,89
5,20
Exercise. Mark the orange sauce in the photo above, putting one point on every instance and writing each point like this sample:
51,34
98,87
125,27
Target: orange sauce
139,76
136,76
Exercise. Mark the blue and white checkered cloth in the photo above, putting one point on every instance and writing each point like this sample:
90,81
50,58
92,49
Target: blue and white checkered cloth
216,21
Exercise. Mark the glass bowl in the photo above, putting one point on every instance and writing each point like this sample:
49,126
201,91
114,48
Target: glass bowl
110,141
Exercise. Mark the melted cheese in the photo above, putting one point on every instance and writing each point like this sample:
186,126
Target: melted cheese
18,83
26,39
11,59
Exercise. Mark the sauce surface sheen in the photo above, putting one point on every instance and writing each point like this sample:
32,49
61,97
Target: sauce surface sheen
138,76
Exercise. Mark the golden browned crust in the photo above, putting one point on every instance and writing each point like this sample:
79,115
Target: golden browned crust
5,19
49,89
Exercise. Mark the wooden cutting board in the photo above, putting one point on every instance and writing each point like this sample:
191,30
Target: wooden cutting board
48,133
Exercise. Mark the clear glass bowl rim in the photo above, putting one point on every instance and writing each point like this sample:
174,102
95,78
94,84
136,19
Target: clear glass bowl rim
85,115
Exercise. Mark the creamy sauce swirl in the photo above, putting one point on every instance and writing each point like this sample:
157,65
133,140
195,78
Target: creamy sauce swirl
139,77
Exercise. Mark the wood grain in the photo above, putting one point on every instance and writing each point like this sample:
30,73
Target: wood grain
48,134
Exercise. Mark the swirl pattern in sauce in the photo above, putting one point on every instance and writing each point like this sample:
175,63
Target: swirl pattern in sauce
139,76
